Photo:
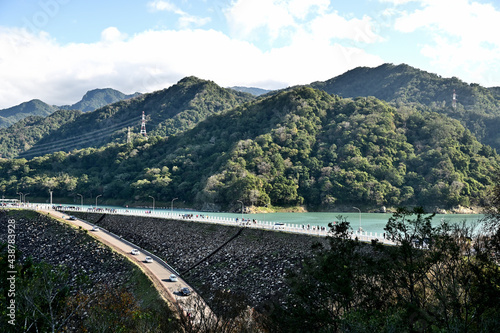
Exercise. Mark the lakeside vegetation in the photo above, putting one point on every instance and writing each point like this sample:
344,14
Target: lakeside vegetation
439,279
298,147
210,147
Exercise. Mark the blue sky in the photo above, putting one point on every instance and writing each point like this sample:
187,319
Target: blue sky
56,50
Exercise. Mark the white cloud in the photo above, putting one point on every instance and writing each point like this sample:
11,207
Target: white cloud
246,16
186,20
112,34
333,25
159,5
259,19
398,2
301,8
36,66
463,41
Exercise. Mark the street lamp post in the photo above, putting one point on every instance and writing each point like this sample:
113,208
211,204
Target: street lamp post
172,206
81,201
100,195
241,209
50,191
25,194
359,218
20,197
153,202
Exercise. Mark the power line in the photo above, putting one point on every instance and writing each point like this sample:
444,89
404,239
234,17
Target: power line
73,141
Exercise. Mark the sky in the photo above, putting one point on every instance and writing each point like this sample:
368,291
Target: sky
57,50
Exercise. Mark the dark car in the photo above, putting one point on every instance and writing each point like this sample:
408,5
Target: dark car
185,291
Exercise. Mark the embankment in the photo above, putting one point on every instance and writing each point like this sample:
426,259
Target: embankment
254,263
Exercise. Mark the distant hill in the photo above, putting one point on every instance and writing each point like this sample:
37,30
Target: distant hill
251,90
25,133
297,147
98,98
32,108
168,111
478,108
92,100
495,91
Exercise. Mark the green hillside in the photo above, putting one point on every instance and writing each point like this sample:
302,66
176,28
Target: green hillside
251,90
25,133
301,146
168,112
478,108
97,98
32,108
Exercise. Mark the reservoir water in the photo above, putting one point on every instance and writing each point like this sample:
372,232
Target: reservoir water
370,222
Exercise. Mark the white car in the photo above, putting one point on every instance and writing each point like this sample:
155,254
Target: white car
148,260
95,228
134,252
173,278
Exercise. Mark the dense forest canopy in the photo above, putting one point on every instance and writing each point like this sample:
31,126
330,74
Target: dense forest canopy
97,98
168,112
34,107
301,146
25,133
185,104
477,108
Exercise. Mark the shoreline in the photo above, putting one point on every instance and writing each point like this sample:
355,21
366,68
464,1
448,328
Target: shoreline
264,209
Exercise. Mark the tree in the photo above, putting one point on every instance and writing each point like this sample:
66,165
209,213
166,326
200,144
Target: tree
437,278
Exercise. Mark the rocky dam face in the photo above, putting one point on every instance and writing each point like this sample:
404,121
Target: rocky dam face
253,264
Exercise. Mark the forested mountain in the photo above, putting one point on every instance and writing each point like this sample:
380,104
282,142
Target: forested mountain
92,100
25,133
168,112
478,108
251,90
97,98
301,146
32,108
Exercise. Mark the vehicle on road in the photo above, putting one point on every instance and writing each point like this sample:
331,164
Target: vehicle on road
185,291
134,252
72,218
148,259
95,228
173,278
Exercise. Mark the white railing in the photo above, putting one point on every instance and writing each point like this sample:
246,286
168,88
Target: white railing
320,231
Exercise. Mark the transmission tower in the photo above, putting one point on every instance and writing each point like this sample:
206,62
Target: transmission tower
143,125
128,135
454,101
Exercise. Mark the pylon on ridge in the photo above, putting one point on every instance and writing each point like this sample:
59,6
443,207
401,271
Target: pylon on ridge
143,125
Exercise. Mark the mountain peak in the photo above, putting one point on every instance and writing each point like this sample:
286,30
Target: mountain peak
35,107
97,98
251,90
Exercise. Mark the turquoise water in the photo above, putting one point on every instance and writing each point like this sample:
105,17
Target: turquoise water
370,222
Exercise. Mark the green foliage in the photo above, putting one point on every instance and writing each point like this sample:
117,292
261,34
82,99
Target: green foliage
27,132
98,98
32,108
300,146
169,111
437,279
478,108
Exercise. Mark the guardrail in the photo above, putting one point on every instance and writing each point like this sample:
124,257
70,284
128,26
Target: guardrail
310,230
155,257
